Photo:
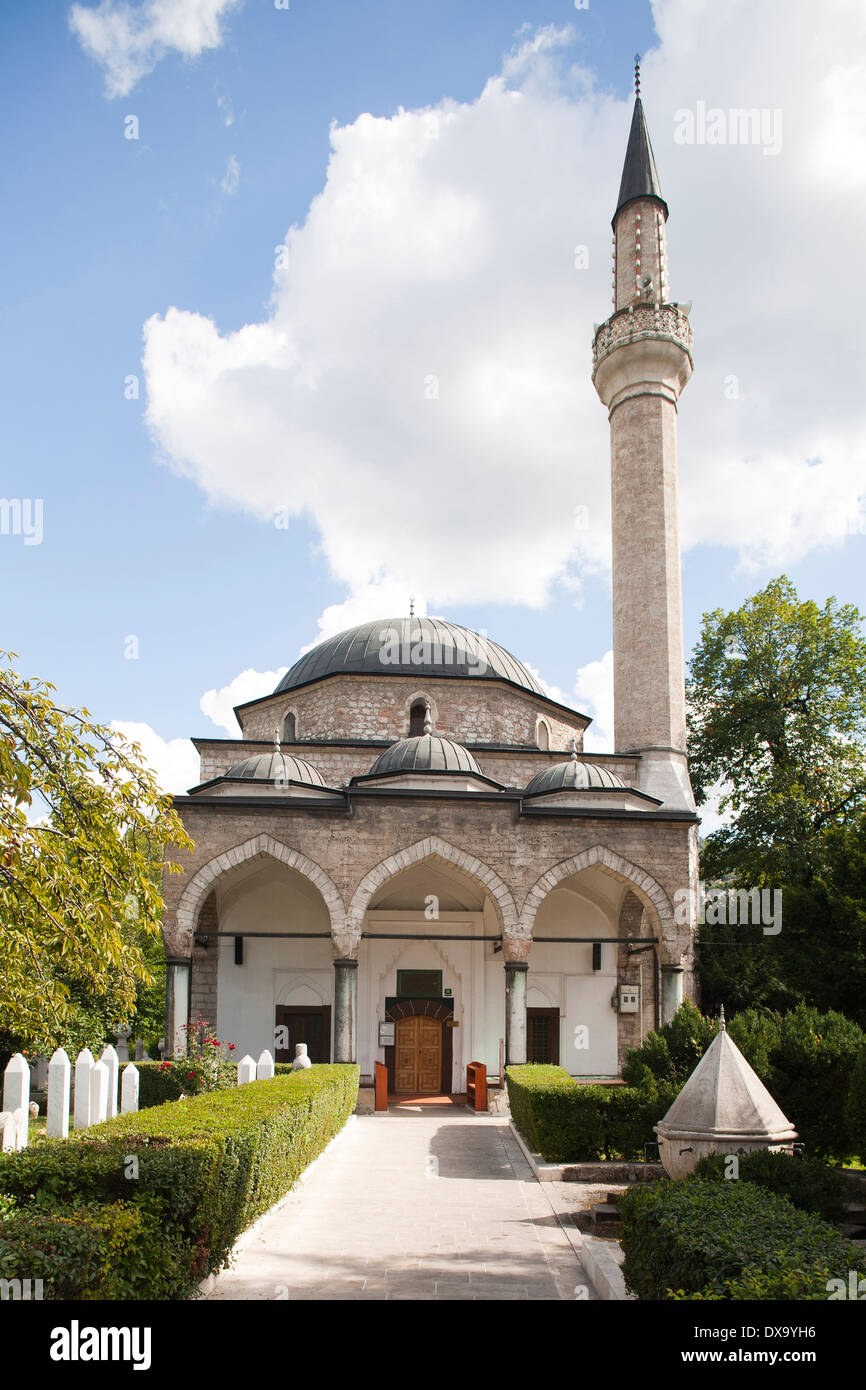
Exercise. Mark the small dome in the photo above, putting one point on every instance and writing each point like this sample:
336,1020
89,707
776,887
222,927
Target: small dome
426,753
573,775
268,767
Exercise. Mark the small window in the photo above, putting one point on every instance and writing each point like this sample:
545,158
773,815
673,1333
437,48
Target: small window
419,984
289,729
542,735
417,715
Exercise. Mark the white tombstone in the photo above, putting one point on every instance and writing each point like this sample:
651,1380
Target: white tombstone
84,1064
16,1094
246,1070
59,1077
129,1089
301,1059
265,1067
99,1078
108,1056
8,1131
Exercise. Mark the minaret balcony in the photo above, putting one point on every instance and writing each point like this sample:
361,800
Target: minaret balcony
642,321
642,344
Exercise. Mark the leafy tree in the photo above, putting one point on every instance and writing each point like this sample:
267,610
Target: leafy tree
80,814
777,717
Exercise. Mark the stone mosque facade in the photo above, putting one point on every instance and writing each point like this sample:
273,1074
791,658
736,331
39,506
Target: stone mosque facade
407,857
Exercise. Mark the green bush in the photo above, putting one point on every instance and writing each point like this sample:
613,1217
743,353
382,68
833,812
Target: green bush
671,1052
811,1073
807,1182
727,1240
194,1173
571,1123
96,1251
855,1108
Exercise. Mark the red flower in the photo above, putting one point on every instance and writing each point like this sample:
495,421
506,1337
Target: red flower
231,1047
214,1041
190,1076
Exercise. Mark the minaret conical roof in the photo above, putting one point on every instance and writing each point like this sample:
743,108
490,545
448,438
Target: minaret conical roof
725,1098
639,174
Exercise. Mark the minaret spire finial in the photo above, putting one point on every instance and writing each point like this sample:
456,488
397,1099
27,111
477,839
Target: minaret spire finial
411,605
637,74
722,1024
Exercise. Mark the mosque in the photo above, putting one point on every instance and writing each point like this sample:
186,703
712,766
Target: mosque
407,856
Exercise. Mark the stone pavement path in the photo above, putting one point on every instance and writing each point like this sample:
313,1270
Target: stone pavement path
426,1205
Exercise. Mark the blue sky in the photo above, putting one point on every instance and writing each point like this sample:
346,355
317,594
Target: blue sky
160,527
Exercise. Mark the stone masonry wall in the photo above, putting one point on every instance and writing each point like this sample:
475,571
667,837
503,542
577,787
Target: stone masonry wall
469,711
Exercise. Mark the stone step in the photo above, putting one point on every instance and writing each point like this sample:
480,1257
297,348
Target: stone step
605,1214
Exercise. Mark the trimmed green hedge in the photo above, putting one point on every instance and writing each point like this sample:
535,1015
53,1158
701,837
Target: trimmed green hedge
571,1123
146,1205
731,1240
807,1182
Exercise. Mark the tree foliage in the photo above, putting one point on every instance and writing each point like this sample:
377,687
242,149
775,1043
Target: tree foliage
82,825
777,719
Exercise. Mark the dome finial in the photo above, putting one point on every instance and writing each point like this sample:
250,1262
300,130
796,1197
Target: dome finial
722,1024
277,740
428,718
637,74
574,750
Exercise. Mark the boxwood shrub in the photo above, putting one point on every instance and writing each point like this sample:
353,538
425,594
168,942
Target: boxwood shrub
568,1122
807,1182
170,1188
733,1240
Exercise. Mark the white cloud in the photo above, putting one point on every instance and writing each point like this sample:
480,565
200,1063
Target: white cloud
218,705
421,388
174,761
593,695
129,40
232,176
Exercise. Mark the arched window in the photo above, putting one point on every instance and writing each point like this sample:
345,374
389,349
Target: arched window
289,729
417,715
542,734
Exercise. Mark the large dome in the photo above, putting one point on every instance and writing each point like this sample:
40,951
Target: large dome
410,647
426,753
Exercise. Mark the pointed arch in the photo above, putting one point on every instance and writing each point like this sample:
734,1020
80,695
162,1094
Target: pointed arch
433,848
202,882
642,883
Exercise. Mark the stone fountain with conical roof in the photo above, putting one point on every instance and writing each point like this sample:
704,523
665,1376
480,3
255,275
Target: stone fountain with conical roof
724,1107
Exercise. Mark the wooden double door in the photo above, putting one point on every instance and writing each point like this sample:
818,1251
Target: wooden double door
418,1056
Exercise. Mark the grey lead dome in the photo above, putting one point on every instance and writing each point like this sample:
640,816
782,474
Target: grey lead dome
410,647
267,767
573,774
426,753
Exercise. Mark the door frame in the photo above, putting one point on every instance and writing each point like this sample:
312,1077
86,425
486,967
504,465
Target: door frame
440,1009
294,1010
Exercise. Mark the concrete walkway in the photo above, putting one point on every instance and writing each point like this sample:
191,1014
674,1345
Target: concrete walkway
412,1205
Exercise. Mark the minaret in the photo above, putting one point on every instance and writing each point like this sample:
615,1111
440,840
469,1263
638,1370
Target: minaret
642,359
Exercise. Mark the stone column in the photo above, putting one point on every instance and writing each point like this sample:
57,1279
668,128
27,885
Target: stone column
515,1012
176,1004
672,990
345,1009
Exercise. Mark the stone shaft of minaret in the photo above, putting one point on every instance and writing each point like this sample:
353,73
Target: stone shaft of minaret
642,360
